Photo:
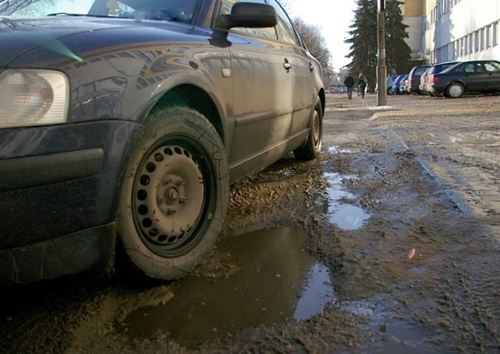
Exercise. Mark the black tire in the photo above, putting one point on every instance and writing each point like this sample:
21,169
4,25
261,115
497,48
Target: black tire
455,90
174,196
312,148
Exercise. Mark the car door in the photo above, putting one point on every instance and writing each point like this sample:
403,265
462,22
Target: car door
492,71
474,76
302,70
262,96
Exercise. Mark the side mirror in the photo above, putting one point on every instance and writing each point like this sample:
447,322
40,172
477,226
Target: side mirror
248,14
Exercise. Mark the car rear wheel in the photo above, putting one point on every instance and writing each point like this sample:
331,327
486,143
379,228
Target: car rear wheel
455,90
174,197
312,148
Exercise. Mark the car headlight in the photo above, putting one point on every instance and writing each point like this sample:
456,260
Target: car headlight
33,97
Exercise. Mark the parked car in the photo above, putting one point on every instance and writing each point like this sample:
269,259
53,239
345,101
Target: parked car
390,83
428,76
423,78
402,84
397,84
125,122
414,78
475,76
335,89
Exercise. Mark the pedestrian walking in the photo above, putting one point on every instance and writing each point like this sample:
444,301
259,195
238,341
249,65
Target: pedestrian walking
349,84
362,84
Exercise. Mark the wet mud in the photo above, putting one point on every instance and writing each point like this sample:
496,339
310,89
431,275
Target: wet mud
387,243
272,279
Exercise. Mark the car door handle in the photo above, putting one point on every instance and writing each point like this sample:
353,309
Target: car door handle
287,65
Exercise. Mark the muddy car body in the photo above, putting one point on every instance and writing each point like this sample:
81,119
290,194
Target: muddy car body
123,124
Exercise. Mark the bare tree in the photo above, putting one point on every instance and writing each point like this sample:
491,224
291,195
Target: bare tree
315,43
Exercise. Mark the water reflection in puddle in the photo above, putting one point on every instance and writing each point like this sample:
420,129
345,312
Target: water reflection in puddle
273,280
393,335
346,216
337,150
316,294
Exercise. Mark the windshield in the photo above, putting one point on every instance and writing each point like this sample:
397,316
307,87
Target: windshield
163,10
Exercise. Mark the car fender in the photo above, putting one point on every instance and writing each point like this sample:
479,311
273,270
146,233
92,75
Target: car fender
197,90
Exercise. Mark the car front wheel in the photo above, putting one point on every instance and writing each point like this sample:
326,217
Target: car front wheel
174,197
455,90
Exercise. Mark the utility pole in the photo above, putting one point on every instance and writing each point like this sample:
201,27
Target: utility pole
381,67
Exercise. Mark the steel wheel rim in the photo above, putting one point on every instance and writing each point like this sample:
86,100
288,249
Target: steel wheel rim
316,130
169,196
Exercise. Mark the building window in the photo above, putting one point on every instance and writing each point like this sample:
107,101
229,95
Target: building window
488,37
495,34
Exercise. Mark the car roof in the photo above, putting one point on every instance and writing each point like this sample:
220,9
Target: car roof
451,67
469,61
438,67
418,69
447,63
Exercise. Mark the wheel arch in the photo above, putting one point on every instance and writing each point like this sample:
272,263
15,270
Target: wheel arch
192,96
322,97
458,81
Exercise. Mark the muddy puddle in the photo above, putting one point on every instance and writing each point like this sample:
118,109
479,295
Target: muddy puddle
393,334
341,208
268,278
271,279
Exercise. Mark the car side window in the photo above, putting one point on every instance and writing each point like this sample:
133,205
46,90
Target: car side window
470,68
268,33
491,67
459,69
286,30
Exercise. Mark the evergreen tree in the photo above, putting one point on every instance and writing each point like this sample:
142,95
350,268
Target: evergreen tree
398,53
363,40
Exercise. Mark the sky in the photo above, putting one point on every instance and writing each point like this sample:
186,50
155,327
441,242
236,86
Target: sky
333,17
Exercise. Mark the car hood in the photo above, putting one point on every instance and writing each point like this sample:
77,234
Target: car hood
30,42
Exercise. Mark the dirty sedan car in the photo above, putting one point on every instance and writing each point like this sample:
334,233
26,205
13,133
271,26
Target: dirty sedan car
475,76
123,124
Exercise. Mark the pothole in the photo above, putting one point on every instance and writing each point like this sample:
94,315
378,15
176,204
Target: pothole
391,335
346,216
272,280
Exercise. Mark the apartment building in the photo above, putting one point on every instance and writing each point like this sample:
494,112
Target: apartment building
443,30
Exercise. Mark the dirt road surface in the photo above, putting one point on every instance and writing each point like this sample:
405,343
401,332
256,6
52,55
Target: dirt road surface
387,243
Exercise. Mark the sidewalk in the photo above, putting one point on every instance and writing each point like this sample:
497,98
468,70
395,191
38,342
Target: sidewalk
359,108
